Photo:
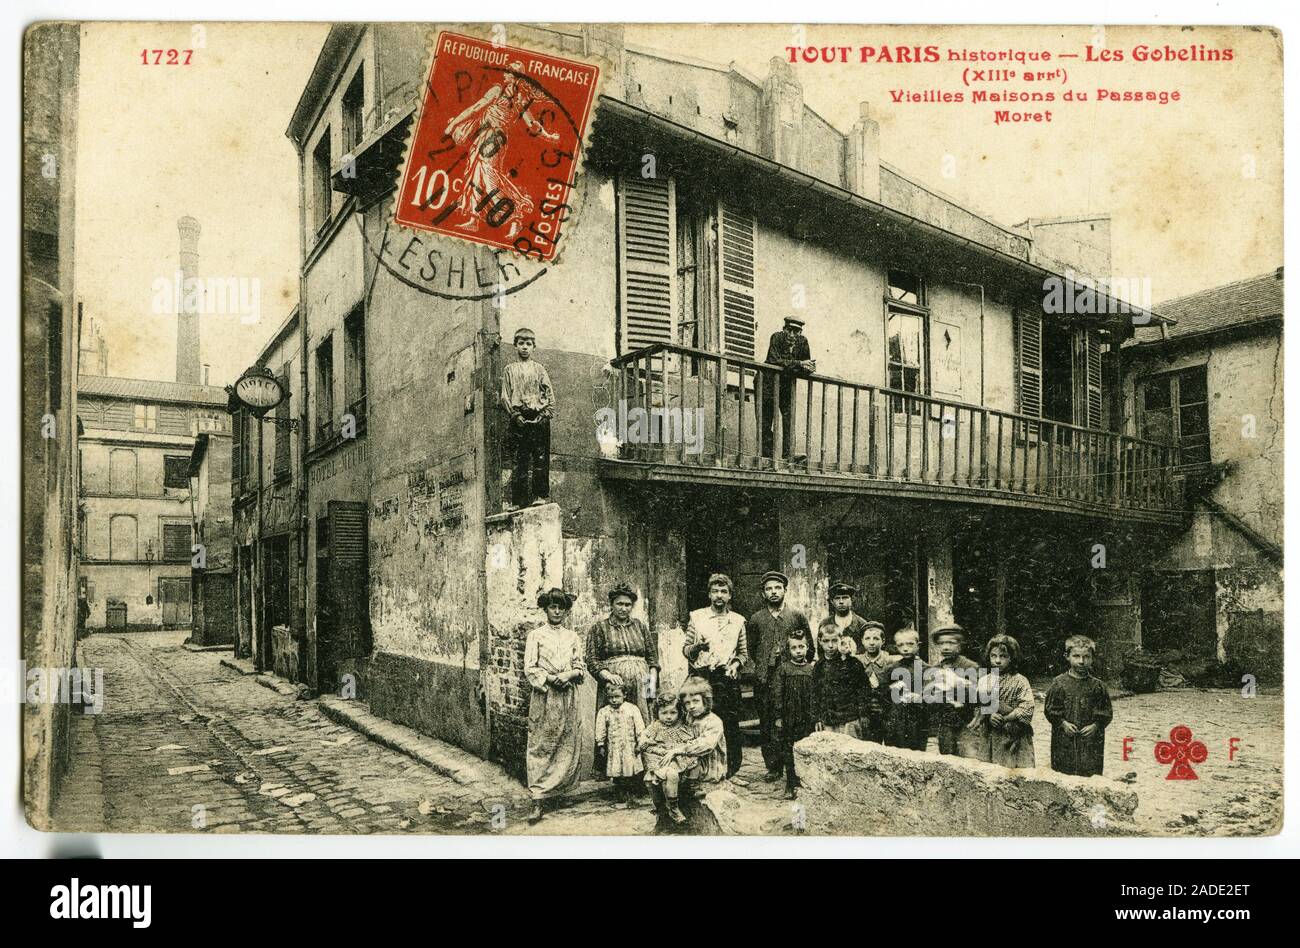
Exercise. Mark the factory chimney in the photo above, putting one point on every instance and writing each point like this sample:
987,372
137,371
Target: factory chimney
187,320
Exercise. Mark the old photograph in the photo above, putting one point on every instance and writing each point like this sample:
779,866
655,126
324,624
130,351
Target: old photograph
659,430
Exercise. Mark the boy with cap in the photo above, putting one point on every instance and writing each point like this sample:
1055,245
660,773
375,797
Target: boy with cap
842,618
960,705
876,663
788,349
529,399
769,629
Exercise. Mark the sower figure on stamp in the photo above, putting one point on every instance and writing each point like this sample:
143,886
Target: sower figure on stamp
529,399
769,629
842,618
716,646
485,127
788,349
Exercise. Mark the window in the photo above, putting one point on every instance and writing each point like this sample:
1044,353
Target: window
176,542
354,112
176,471
1173,410
906,343
55,367
321,190
325,389
354,383
122,538
146,417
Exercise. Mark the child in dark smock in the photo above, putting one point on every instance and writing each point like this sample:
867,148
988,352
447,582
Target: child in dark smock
793,701
1078,708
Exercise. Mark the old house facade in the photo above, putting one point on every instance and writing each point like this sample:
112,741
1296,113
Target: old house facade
136,520
212,577
1211,383
948,455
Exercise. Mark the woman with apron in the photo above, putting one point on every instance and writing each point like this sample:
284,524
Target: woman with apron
621,650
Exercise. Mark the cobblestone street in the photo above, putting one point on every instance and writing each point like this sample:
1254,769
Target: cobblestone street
186,744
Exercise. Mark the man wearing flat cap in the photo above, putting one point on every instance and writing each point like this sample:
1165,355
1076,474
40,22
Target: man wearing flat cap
843,620
788,348
769,628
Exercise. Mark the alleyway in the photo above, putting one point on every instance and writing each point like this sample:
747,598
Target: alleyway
185,744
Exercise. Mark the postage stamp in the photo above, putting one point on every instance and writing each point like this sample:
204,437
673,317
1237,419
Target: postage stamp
494,150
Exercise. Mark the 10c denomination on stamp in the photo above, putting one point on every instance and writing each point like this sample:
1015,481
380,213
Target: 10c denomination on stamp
494,152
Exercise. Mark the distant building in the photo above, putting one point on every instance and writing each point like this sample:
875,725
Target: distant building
51,62
94,347
135,496
1212,384
212,578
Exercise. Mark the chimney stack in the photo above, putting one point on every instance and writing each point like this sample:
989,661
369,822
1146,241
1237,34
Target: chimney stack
187,320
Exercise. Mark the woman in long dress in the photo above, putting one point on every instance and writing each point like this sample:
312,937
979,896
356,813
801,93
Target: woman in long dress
622,651
554,665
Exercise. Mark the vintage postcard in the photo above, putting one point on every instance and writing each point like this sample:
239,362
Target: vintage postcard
615,429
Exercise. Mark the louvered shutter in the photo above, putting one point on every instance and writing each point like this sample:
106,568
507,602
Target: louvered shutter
237,451
737,232
1029,368
1092,379
349,578
647,256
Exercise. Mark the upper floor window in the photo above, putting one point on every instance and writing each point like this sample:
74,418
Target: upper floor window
325,388
354,383
176,471
121,471
322,193
354,112
906,288
146,417
906,336
1172,408
176,542
282,433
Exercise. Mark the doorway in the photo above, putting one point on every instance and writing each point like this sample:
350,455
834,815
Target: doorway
174,599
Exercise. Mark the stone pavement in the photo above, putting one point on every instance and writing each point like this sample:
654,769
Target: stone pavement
187,744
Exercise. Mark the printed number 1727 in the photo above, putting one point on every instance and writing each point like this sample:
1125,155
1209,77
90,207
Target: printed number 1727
165,57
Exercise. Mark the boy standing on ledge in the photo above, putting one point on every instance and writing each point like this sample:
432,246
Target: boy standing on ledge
529,399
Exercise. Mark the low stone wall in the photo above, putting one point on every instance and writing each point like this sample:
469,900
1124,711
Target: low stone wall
857,788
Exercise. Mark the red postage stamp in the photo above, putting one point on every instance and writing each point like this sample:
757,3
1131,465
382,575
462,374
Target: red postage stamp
494,152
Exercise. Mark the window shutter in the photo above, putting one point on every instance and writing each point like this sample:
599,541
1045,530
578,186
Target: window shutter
1092,377
176,542
236,449
736,239
349,577
1029,368
647,258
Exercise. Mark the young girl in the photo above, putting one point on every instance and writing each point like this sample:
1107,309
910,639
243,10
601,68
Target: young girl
659,746
554,666
618,732
1007,735
706,752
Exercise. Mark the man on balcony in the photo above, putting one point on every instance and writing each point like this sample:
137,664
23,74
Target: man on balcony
788,348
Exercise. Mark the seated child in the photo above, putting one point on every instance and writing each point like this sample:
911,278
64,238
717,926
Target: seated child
706,752
1078,708
659,747
839,686
875,661
906,721
792,702
618,730
1007,735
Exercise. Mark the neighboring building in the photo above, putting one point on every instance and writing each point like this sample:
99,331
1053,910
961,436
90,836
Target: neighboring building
51,58
1212,384
212,577
93,358
954,463
135,496
269,614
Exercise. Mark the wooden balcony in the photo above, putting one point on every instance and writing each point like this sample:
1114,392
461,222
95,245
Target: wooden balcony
702,417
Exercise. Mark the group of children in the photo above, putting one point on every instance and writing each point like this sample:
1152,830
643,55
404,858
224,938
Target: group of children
857,688
684,744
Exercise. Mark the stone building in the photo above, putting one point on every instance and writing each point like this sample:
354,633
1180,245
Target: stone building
1211,383
212,577
268,594
135,496
51,60
948,456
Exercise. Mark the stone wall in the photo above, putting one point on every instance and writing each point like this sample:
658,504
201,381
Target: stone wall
857,788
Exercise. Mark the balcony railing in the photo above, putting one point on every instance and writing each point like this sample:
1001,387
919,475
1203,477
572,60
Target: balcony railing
842,431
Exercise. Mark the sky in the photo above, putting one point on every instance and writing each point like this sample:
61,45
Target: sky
1193,188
